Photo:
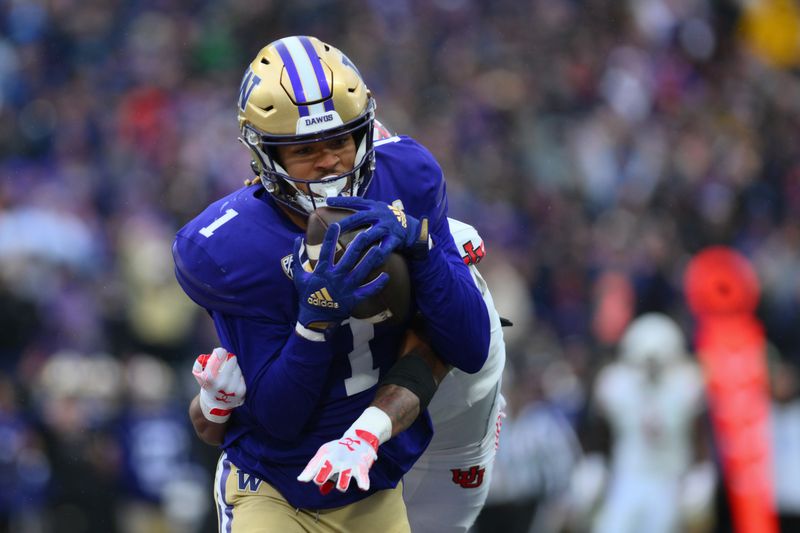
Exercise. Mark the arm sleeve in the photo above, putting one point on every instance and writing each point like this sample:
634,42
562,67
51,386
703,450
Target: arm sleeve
280,369
455,312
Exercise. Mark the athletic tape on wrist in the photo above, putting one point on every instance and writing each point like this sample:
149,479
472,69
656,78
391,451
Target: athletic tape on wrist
374,421
309,334
413,373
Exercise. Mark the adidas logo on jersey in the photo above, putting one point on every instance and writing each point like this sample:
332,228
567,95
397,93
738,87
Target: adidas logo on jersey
322,298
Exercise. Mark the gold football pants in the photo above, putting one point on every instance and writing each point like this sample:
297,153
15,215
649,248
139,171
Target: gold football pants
259,508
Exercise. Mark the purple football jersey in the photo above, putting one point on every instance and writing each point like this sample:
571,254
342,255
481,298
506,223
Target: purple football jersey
234,259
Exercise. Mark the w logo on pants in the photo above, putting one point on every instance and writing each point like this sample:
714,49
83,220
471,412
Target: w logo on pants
468,479
248,482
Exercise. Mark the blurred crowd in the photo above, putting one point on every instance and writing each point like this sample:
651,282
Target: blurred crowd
595,144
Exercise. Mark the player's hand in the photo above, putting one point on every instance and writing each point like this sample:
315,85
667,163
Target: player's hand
404,232
338,461
330,291
222,387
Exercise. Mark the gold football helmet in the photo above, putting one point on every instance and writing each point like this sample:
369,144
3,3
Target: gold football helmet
301,90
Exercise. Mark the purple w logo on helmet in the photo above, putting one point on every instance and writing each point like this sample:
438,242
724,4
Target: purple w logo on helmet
249,82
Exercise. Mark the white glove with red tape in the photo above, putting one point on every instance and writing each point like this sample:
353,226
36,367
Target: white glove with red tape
338,461
221,383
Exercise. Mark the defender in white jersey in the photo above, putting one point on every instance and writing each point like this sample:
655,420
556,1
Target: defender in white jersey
449,484
651,398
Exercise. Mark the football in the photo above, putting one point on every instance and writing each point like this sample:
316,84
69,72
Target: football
392,303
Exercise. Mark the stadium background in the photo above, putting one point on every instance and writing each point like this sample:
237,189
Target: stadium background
595,144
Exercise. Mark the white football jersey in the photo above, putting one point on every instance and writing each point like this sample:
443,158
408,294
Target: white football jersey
458,391
651,421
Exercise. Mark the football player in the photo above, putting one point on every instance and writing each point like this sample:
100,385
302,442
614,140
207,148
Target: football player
652,397
447,487
307,117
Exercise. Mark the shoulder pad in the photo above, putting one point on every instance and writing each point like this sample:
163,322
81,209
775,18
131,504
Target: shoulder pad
468,241
397,160
232,258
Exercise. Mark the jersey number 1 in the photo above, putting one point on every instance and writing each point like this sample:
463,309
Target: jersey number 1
363,375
